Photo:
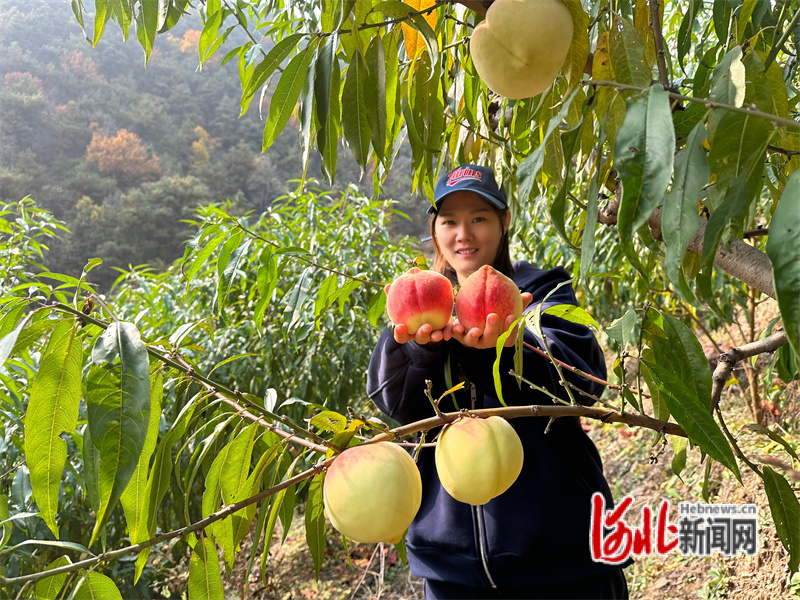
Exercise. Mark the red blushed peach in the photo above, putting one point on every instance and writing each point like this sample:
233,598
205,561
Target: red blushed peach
484,292
418,297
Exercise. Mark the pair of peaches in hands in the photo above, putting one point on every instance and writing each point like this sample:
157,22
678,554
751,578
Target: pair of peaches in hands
420,305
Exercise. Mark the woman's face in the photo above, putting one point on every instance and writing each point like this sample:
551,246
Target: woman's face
469,231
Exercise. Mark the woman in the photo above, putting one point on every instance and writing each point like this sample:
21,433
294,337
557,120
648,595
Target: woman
533,540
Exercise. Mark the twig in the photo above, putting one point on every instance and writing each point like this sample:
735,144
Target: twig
477,6
308,261
784,151
751,110
733,443
774,462
222,392
536,410
658,38
558,369
575,370
773,53
177,533
364,573
727,360
751,233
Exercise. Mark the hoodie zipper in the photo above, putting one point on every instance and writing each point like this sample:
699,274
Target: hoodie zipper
478,513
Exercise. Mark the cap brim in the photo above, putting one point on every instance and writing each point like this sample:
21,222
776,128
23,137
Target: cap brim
486,196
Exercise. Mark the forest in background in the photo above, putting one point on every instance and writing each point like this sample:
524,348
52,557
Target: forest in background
124,154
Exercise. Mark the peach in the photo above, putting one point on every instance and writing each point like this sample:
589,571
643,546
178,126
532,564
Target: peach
487,291
519,48
372,492
478,459
418,297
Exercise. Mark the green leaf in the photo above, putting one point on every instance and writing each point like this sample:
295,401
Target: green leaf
355,123
571,313
785,510
49,587
286,509
284,99
721,19
727,86
499,347
297,297
622,330
95,586
743,17
692,414
323,84
679,454
118,408
266,281
329,130
660,409
7,526
679,349
91,469
739,142
376,307
375,95
391,88
147,21
315,522
783,249
325,295
32,333
227,266
224,480
160,474
693,8
102,13
136,497
77,10
49,544
205,578
528,170
774,437
9,341
579,48
731,212
628,55
208,37
645,148
267,67
52,410
679,218
201,259
329,420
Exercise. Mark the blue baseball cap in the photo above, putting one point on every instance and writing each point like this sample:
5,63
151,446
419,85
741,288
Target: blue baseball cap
471,178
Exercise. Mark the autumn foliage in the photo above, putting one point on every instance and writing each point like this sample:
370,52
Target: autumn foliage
122,154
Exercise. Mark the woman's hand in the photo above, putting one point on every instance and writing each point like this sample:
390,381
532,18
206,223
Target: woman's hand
487,338
424,335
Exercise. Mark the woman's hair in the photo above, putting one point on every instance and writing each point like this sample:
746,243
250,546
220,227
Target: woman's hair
502,260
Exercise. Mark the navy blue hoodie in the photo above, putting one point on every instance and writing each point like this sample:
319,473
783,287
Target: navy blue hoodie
537,532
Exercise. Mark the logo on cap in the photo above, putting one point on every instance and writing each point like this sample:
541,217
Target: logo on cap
461,174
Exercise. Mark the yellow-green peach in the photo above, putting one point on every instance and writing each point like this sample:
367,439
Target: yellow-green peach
519,48
372,492
478,459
